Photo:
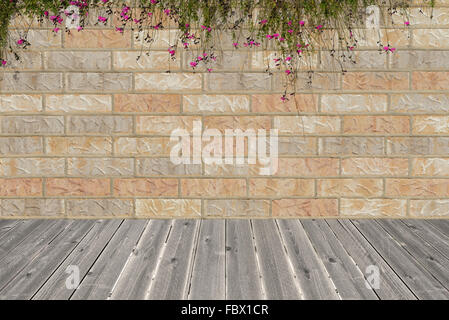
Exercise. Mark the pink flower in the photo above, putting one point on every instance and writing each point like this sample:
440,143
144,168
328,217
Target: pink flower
150,14
102,19
351,48
3,62
288,58
167,12
407,23
288,71
104,1
187,25
301,23
79,28
20,41
46,13
235,44
56,30
290,31
283,98
289,23
153,1
193,64
319,27
172,52
264,21
209,70
119,29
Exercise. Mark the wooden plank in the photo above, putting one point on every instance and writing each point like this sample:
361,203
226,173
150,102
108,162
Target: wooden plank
19,257
173,271
7,225
391,286
243,281
277,275
313,278
430,234
440,224
208,274
31,278
83,256
423,252
346,276
100,279
415,276
136,277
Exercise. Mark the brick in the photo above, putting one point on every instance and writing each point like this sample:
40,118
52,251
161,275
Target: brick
430,80
138,60
32,124
374,167
21,145
417,187
10,167
418,146
161,82
349,187
99,124
429,208
147,103
77,60
430,125
86,82
31,81
351,146
100,167
305,208
310,81
420,59
32,208
237,208
376,124
375,81
164,125
99,208
430,167
237,122
215,103
162,39
281,187
238,82
77,187
296,146
373,207
213,187
420,103
367,60
20,103
147,146
146,187
269,103
369,38
44,39
225,61
169,208
319,167
97,39
164,167
346,103
307,124
431,38
78,103
21,187
78,145
229,169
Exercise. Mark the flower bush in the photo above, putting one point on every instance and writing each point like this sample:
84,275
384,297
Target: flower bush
293,29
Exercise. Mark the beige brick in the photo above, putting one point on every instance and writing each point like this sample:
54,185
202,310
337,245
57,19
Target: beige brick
99,208
77,187
375,81
430,167
429,208
307,124
164,125
297,146
417,145
99,124
308,167
351,146
237,122
272,103
420,59
162,39
420,103
78,145
161,82
145,187
235,60
215,103
78,103
227,170
165,167
100,167
213,187
32,124
97,39
374,167
10,167
367,60
75,60
138,60
430,80
281,187
21,145
305,208
417,187
376,125
86,82
431,38
373,207
237,208
349,187
430,125
21,187
32,208
238,82
147,103
168,208
346,103
147,146
20,103
309,81
41,39
31,81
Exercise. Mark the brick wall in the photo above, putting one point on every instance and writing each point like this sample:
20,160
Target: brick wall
84,129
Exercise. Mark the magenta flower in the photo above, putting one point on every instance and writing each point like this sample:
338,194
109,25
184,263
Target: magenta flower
235,44
301,23
3,62
319,27
264,21
167,12
55,30
288,71
193,64
407,23
20,41
79,28
102,19
209,70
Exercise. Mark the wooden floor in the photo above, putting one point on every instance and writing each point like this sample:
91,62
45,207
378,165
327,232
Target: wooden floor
224,259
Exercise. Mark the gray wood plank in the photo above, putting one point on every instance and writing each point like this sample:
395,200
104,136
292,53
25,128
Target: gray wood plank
364,255
173,270
440,224
136,277
277,275
208,274
416,277
313,277
423,252
101,278
83,256
346,276
19,257
7,225
243,280
31,278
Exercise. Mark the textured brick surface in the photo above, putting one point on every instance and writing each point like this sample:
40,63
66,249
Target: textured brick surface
85,127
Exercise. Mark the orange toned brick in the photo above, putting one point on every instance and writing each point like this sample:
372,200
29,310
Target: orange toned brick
20,187
146,187
169,103
373,207
169,208
281,187
143,146
98,39
431,125
417,187
430,167
376,125
213,187
430,80
374,167
305,208
273,103
77,187
375,81
319,167
78,145
307,124
349,187
164,125
237,122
